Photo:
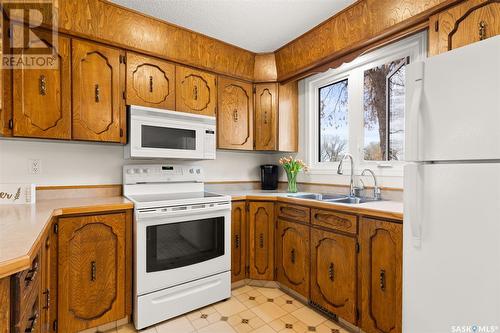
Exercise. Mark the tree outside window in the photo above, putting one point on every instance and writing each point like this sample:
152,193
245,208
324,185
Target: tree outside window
384,102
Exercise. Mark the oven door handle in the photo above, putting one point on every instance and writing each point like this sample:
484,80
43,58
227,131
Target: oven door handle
181,210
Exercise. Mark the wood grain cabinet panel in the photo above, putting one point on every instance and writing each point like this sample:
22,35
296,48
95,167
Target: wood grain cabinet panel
466,23
381,276
335,220
333,273
292,256
150,82
98,86
5,305
235,114
92,271
288,109
293,212
42,97
239,241
196,91
266,116
261,237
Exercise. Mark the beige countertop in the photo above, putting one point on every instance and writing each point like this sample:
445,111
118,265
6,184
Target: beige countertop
22,226
384,208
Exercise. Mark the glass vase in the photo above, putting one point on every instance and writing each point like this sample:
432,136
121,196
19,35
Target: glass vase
292,181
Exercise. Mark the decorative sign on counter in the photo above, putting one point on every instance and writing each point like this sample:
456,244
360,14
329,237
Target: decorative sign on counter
17,194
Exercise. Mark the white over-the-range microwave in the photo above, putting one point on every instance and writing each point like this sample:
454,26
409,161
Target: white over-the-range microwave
156,133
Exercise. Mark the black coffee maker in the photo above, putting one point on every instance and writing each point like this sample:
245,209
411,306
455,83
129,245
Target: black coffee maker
269,176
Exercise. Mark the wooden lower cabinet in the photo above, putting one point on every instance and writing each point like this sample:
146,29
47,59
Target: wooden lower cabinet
334,272
4,304
238,241
94,273
261,240
381,276
292,256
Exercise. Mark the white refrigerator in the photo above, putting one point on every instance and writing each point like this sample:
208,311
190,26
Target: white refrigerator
451,240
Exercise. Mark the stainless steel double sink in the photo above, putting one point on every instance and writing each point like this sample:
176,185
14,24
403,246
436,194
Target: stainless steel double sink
333,198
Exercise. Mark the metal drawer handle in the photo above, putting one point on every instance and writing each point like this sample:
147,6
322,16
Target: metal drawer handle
151,84
382,279
292,256
195,93
331,272
261,240
47,299
237,241
482,30
92,271
33,320
31,274
97,94
43,85
235,115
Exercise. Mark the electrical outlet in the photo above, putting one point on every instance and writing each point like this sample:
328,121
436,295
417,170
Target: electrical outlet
35,166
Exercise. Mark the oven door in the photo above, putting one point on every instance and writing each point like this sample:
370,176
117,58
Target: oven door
181,246
167,138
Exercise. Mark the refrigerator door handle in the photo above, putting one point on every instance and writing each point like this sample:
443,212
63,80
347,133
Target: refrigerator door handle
412,193
413,113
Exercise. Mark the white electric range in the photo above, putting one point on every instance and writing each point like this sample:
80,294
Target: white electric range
182,250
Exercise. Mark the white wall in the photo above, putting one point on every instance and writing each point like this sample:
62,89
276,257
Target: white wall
74,163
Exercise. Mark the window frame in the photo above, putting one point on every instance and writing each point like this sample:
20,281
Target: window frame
414,48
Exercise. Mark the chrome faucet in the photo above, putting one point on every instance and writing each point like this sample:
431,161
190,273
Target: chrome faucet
376,190
340,171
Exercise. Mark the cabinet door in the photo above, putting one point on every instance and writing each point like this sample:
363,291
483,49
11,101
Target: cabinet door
292,256
98,86
42,97
466,23
261,236
48,290
235,118
196,91
266,116
381,276
5,304
239,241
288,120
92,273
150,82
333,273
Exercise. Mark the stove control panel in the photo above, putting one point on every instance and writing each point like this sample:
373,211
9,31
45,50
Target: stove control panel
161,173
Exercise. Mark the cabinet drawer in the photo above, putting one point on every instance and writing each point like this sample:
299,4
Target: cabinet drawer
26,284
334,220
293,212
30,320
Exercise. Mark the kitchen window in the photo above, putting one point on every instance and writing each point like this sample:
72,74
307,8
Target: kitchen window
359,108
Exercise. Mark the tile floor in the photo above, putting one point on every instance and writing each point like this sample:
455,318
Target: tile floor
250,309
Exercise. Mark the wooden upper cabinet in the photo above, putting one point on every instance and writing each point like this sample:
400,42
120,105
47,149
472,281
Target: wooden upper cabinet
261,238
333,273
292,256
239,241
466,23
150,82
235,114
381,276
92,273
98,86
288,133
266,116
196,91
42,97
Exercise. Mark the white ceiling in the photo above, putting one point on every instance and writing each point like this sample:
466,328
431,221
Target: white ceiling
255,25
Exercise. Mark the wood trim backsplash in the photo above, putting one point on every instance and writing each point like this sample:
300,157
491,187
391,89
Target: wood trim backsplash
77,191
